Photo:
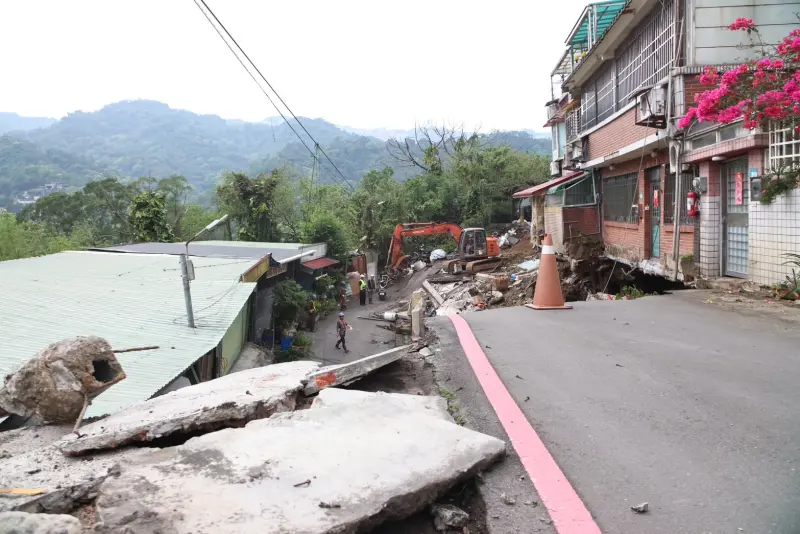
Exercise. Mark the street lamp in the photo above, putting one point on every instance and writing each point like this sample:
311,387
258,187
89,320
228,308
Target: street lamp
187,268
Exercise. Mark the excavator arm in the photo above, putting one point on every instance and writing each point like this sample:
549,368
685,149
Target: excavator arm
401,231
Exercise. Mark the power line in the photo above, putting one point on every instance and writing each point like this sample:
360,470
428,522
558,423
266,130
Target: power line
206,13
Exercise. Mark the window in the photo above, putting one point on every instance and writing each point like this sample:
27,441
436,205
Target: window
704,140
729,132
619,197
784,146
580,193
669,198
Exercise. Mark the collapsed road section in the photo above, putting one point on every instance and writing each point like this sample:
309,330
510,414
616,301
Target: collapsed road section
279,448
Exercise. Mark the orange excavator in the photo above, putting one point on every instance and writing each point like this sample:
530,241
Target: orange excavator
476,251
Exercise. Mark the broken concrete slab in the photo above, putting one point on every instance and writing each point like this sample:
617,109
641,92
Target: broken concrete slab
338,375
324,470
433,293
25,523
417,321
231,400
67,482
425,405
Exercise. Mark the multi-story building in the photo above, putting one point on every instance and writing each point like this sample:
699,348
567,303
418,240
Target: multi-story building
630,70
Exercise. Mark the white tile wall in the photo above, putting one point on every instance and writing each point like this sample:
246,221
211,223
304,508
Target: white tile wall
710,245
774,230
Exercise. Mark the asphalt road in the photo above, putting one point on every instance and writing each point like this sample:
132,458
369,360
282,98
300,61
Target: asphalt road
669,400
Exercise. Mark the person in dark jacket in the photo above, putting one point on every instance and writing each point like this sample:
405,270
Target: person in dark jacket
371,287
341,328
362,294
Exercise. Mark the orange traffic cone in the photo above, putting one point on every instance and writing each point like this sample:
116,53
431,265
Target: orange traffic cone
548,295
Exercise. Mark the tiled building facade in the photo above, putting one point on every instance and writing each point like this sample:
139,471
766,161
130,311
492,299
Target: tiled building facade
619,89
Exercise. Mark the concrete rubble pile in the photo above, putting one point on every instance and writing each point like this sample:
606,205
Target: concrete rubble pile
254,460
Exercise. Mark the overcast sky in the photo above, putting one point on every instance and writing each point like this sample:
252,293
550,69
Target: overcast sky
361,63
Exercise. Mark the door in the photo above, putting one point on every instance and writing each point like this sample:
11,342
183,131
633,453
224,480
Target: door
737,196
654,178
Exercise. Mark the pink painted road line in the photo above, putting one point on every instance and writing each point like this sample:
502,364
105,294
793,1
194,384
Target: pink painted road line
568,512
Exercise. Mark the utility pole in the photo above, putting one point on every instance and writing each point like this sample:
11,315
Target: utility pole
187,269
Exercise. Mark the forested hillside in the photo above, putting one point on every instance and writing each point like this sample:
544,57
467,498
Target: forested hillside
11,122
24,166
134,139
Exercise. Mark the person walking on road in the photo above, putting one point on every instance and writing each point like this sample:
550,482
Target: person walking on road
312,313
362,294
341,328
371,287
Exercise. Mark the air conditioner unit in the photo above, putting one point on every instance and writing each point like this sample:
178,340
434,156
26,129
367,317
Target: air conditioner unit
651,108
555,168
577,151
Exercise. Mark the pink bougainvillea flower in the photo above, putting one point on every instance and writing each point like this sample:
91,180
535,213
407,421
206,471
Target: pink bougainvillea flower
742,24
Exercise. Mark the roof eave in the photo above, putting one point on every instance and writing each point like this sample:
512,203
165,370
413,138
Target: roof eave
633,12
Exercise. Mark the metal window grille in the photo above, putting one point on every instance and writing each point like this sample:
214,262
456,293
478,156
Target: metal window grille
647,58
597,98
581,193
573,123
618,198
669,198
784,146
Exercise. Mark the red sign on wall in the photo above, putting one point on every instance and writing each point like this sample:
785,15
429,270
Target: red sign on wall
739,188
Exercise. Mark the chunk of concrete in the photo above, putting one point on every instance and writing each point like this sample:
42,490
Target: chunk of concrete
418,321
25,523
447,516
338,375
54,384
231,400
324,470
433,406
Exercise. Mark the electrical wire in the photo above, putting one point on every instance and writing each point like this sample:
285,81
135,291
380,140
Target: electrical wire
206,13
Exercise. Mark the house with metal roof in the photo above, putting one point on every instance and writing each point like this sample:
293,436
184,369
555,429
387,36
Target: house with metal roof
301,262
131,300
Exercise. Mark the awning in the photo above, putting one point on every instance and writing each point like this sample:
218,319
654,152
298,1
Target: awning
541,189
319,263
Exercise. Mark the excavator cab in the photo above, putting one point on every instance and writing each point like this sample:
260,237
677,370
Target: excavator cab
476,251
472,244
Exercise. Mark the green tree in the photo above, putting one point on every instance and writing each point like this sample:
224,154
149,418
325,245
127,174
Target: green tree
23,239
148,216
326,228
252,204
195,218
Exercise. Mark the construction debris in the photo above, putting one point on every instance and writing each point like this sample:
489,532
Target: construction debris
641,508
433,293
362,461
25,523
338,375
59,382
447,516
231,400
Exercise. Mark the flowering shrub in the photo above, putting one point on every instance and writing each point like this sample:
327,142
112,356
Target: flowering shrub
759,91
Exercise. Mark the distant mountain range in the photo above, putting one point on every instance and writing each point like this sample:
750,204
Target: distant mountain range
131,139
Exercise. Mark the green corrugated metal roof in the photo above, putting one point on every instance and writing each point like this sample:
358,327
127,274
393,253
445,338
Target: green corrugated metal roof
606,15
131,300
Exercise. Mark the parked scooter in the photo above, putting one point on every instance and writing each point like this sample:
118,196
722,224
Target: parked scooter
384,282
